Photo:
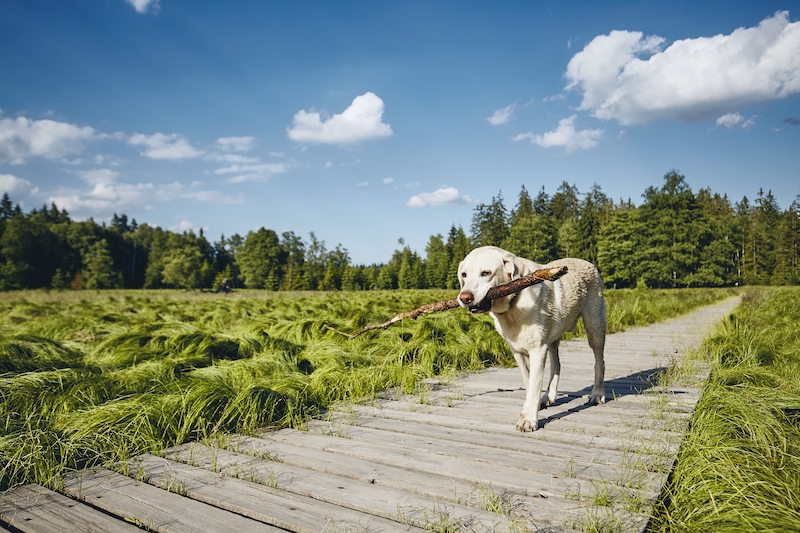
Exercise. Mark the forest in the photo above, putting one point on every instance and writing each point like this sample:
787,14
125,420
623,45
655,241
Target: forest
674,238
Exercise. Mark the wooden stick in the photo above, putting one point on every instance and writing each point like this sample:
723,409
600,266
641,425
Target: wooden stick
514,286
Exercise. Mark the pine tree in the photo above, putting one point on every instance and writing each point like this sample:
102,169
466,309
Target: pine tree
565,204
524,208
437,263
490,223
458,246
99,272
533,238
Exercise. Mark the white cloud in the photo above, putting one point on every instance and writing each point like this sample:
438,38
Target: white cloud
141,6
230,158
502,115
442,196
161,146
388,181
22,138
107,195
13,185
260,168
182,226
565,135
361,121
553,98
256,172
362,184
690,80
328,164
236,144
735,121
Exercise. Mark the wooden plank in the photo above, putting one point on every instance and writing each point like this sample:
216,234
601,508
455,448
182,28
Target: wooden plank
375,499
530,460
261,502
154,508
35,509
598,423
449,466
577,435
550,506
543,447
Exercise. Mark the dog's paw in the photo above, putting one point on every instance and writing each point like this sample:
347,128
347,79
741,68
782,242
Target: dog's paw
525,425
545,402
597,399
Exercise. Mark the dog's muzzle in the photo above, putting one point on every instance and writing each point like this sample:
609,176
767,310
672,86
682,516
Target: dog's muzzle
467,300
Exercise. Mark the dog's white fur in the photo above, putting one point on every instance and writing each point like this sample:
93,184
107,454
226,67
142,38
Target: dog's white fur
533,320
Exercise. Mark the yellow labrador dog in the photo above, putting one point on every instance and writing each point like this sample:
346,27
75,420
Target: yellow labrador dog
533,320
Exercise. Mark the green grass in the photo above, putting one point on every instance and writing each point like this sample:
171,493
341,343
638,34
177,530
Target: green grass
738,470
95,377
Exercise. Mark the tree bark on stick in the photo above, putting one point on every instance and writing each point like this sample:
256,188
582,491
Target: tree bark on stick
514,286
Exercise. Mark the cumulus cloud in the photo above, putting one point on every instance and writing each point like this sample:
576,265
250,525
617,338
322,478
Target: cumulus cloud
361,121
565,135
22,138
142,6
633,79
161,146
735,121
362,184
236,144
442,196
502,115
388,181
106,194
328,164
13,185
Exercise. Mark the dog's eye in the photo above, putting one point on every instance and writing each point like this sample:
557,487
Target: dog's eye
463,274
485,273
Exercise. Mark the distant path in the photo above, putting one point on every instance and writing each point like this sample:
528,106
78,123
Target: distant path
446,459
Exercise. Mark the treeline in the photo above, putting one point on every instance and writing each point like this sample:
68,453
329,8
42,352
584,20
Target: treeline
675,238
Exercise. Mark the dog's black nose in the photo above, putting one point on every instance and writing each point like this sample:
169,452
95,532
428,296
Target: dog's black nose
466,297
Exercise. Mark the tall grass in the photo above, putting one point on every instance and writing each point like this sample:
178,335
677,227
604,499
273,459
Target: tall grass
738,470
91,378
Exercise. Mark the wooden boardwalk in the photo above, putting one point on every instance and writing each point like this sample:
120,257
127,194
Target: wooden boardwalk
444,459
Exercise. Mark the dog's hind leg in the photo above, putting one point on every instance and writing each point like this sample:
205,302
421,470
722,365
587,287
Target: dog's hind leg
596,334
555,373
529,417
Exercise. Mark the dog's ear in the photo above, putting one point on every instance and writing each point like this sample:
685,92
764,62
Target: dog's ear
510,265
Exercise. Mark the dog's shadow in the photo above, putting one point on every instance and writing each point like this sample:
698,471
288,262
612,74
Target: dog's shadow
636,383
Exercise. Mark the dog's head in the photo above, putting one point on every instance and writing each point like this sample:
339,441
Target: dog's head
482,269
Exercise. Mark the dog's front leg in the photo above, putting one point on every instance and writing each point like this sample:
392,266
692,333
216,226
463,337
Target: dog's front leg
524,366
529,417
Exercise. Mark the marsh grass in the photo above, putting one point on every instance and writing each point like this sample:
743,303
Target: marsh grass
91,378
738,469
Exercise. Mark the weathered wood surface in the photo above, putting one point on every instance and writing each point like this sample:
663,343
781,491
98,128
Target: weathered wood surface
446,458
35,509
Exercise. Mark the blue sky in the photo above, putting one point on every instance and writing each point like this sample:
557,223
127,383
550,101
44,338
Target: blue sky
366,122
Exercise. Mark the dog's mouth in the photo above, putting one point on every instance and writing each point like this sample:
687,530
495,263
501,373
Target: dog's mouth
484,306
